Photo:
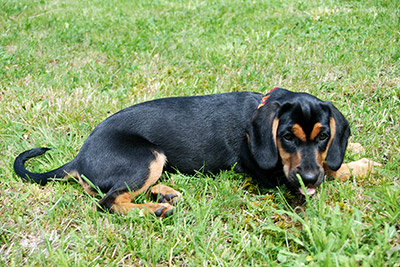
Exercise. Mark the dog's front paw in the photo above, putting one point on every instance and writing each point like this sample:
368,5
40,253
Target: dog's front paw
355,148
358,168
363,167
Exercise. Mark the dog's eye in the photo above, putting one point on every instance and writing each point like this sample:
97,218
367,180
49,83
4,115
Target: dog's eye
288,137
322,137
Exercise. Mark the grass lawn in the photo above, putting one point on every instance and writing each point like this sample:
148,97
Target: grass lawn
67,65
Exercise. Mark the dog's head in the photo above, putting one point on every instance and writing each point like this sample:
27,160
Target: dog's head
302,132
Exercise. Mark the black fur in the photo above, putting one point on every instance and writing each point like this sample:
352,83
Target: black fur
209,133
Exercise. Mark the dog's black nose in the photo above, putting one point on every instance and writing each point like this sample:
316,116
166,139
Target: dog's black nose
309,178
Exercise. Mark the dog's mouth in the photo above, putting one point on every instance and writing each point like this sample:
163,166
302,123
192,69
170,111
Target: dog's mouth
310,190
310,185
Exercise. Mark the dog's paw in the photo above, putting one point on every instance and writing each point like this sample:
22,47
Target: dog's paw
165,194
363,167
355,148
163,210
358,168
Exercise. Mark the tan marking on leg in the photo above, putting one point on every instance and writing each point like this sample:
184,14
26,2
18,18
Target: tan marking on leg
155,170
123,204
316,130
84,185
299,132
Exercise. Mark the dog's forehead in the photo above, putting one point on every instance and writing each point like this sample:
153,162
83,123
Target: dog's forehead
305,114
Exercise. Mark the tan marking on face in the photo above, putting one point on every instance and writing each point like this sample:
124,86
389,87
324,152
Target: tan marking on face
316,130
332,125
299,132
289,161
321,156
275,125
328,171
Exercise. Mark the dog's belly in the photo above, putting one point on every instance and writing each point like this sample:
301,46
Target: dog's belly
212,160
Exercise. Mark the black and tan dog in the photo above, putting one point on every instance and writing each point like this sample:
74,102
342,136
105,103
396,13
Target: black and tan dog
273,138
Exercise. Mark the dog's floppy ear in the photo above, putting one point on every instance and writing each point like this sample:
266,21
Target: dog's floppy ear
262,136
341,129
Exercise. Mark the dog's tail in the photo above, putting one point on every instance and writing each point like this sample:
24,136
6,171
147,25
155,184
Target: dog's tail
40,178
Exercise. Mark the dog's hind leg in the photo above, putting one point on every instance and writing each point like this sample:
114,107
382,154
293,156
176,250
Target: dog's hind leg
120,196
89,189
122,203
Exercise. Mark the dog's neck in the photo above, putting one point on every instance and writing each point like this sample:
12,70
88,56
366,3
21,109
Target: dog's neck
264,99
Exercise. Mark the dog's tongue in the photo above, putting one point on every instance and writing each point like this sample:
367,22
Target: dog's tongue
310,190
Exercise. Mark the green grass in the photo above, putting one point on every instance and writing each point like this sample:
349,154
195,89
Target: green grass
67,65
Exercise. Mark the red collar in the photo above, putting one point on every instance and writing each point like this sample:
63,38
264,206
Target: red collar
264,99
